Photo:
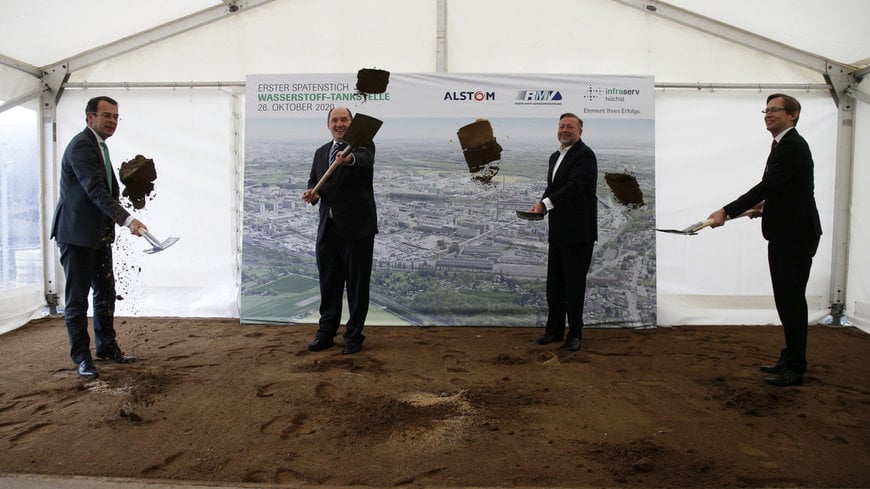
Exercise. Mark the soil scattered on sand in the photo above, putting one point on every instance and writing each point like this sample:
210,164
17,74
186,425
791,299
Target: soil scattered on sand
212,400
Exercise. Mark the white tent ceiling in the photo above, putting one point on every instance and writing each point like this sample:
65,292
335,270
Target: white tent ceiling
268,38
117,44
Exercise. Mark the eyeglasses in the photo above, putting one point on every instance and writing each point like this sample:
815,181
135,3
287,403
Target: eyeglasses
106,115
772,110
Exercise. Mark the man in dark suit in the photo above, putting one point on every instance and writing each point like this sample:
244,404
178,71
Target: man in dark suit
346,234
571,204
84,227
790,223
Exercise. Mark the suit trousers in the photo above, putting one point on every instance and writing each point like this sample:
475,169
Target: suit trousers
567,266
790,263
86,269
343,263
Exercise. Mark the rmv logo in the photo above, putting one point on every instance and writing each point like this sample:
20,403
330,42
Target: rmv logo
539,95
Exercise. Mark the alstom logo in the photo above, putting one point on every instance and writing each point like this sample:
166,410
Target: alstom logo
476,96
539,95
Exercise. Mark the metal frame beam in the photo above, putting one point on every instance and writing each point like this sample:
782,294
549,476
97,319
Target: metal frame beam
20,66
159,33
729,32
441,39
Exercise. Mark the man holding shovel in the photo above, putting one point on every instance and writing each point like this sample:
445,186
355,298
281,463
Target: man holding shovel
346,234
84,227
571,204
790,223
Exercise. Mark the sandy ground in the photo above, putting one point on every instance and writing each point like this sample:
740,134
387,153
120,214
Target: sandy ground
213,400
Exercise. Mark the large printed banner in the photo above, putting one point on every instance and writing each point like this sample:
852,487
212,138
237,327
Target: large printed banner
451,250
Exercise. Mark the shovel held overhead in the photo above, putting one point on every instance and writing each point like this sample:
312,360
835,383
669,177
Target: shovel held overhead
362,131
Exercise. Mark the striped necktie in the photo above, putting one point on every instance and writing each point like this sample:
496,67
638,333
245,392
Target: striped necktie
333,152
108,162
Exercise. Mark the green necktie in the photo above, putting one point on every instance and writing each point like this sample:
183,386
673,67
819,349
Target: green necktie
108,165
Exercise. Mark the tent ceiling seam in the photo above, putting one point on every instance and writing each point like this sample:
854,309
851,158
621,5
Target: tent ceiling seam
660,85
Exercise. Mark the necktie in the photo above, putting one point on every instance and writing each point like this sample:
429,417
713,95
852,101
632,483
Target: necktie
108,165
772,146
333,152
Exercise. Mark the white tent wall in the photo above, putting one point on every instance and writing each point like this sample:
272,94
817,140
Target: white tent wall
711,146
193,138
858,274
195,134
22,294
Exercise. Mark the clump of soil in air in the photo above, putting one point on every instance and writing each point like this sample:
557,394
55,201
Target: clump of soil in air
138,177
480,148
625,188
372,80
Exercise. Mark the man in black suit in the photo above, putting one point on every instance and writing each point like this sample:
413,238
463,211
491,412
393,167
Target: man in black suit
346,234
790,223
572,206
84,228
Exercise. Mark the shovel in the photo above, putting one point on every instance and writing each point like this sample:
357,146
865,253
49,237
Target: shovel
694,228
361,132
156,244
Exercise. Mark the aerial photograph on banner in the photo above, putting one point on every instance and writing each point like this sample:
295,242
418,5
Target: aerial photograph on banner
451,249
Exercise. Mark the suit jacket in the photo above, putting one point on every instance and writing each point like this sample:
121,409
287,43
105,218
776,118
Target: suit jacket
572,191
348,192
786,188
86,211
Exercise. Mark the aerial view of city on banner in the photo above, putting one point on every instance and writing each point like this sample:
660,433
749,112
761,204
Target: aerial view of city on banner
450,248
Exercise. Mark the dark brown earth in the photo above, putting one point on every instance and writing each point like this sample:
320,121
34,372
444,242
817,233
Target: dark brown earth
213,400
138,177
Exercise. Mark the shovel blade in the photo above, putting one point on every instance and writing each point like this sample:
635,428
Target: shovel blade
156,245
678,231
362,130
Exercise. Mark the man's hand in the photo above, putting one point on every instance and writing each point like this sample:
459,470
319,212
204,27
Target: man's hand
310,197
719,217
537,208
343,160
137,228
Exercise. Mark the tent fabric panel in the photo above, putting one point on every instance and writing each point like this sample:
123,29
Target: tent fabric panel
601,37
857,300
710,148
16,84
836,30
191,137
44,32
20,305
309,37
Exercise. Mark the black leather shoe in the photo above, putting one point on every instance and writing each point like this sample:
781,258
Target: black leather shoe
88,370
351,348
549,338
571,344
320,344
771,369
786,378
115,355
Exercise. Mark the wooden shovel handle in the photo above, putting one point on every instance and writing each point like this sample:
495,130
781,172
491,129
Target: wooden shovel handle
709,222
329,171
